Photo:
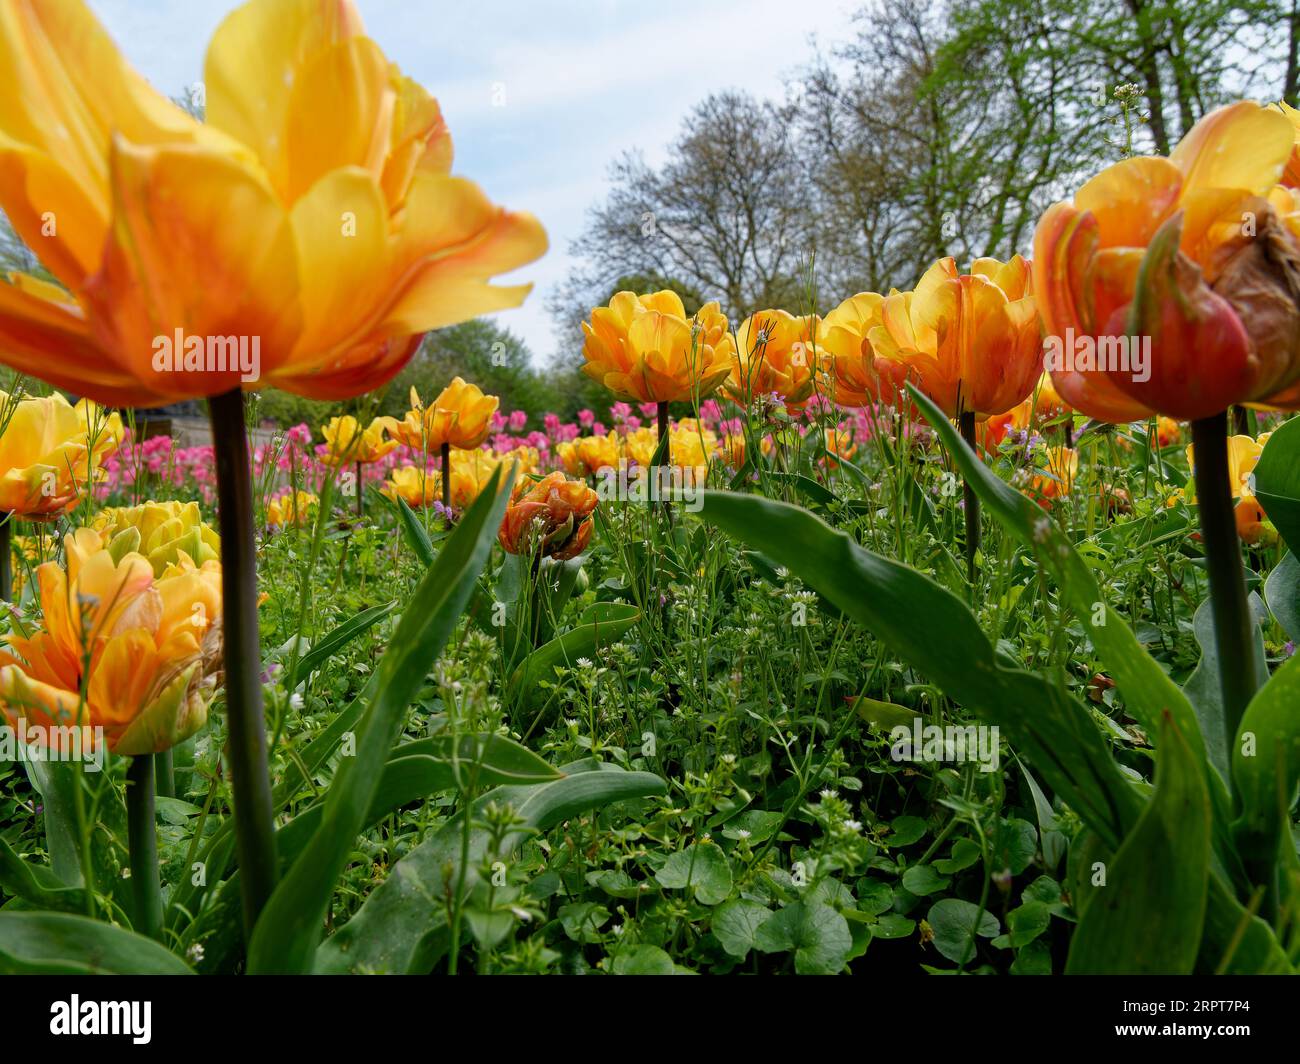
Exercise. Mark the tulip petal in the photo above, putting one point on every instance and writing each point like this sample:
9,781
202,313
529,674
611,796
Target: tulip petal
199,245
254,61
1201,360
349,82
1131,199
458,240
1241,146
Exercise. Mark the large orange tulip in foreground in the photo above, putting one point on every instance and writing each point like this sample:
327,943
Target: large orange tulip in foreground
1181,276
304,236
312,218
1196,256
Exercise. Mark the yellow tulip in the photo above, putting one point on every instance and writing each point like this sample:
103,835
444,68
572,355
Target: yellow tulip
460,417
414,487
311,220
968,341
1243,456
47,447
776,352
291,508
647,349
690,447
589,454
846,349
160,531
470,472
350,444
144,651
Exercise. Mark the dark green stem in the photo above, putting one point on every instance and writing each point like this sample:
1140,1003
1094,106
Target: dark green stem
966,423
6,558
250,779
163,768
1234,626
142,840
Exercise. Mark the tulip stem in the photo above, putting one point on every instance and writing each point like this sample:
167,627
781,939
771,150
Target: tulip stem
6,558
165,771
966,423
360,502
250,778
661,412
142,841
446,477
1234,625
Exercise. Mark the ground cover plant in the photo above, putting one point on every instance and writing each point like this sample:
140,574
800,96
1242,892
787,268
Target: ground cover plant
940,630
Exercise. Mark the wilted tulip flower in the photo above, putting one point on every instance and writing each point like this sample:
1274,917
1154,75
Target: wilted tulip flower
551,517
970,342
1172,285
460,417
648,349
160,531
305,235
776,352
348,443
118,649
47,450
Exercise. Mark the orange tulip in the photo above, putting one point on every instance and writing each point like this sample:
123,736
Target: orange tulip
144,651
461,417
1047,400
969,342
1168,431
1172,285
847,351
776,352
1253,525
647,349
304,236
47,450
349,443
553,515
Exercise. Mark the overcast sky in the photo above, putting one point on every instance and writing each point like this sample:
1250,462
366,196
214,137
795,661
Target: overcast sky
582,82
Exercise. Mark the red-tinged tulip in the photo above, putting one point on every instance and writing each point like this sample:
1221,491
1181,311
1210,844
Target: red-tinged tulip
304,236
1172,285
970,342
118,649
551,516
